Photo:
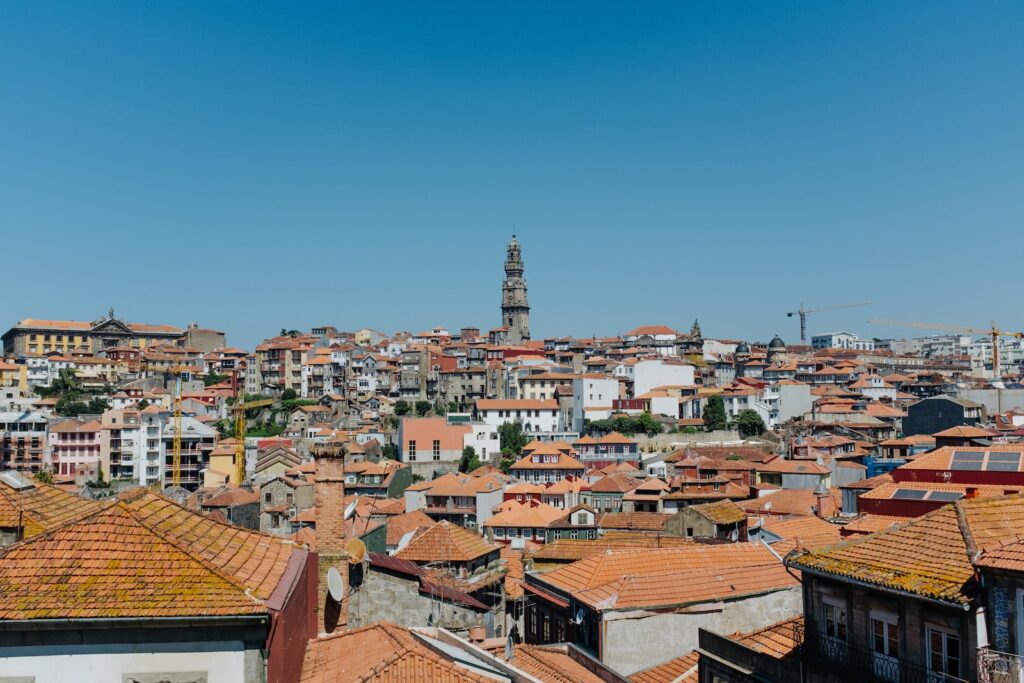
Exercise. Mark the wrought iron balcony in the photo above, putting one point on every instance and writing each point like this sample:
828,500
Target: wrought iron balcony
999,667
858,663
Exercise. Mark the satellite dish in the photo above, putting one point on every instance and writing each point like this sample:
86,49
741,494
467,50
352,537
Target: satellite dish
335,586
768,505
734,536
579,617
356,550
509,649
350,508
404,540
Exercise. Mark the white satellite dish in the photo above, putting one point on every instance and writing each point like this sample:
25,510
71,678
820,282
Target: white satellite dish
734,536
335,586
579,617
404,540
350,508
509,649
768,505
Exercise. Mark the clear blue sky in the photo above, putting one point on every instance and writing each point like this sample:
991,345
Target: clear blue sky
255,166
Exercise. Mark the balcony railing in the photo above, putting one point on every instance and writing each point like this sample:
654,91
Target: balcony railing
999,667
864,664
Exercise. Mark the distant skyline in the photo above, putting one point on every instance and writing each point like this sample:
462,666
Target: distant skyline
272,165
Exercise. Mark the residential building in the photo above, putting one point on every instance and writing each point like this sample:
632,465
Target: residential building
841,340
592,393
649,374
936,413
74,448
197,442
537,418
23,441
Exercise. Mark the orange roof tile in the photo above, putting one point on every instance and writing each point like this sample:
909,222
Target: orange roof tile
41,507
142,556
445,541
531,514
929,555
379,653
679,670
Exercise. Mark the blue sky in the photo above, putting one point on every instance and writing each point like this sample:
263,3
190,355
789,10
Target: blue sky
255,166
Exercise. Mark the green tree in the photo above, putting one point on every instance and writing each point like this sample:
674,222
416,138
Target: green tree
422,407
647,424
749,423
512,438
506,464
389,451
213,378
142,405
44,477
402,407
289,394
440,408
470,461
714,414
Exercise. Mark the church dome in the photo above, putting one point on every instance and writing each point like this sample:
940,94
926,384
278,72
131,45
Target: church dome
742,348
776,343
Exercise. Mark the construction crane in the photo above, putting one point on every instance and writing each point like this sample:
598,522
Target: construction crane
803,312
177,371
993,332
240,406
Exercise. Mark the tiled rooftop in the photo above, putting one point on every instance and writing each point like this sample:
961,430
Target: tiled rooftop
446,542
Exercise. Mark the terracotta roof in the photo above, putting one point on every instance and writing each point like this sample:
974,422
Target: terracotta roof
661,578
379,653
779,640
41,507
618,482
929,555
679,670
794,502
445,541
531,514
942,458
562,462
966,432
637,521
551,664
720,512
869,524
141,556
400,525
804,532
566,549
515,571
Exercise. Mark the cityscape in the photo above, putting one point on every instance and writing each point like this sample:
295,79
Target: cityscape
663,342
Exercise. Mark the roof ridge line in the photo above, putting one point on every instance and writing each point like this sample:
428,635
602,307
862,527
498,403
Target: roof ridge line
105,505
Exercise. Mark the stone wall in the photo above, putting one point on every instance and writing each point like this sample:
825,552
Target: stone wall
386,597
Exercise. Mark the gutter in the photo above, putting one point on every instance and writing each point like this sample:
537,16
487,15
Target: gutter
95,623
884,589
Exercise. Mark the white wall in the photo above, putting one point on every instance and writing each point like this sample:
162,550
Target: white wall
648,374
591,392
220,667
546,422
635,644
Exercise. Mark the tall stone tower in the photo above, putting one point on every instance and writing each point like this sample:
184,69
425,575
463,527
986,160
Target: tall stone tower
515,311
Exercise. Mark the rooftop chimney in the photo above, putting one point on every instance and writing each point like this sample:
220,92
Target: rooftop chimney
971,492
329,494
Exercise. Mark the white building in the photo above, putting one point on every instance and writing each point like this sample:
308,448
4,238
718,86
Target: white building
593,393
648,374
534,416
842,340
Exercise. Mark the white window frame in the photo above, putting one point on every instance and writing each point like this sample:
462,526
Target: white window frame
946,633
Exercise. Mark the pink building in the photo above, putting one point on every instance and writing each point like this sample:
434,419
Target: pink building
75,448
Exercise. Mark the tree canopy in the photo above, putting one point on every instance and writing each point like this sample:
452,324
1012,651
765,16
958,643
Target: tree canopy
714,413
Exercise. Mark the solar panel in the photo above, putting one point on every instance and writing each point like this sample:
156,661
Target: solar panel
1003,456
909,494
946,495
965,465
1002,467
968,455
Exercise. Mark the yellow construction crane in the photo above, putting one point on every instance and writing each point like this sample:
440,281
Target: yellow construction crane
240,406
802,312
994,332
177,371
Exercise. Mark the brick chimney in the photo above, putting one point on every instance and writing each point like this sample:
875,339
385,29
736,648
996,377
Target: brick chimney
971,492
329,495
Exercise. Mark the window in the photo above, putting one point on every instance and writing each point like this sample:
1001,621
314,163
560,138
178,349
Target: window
835,620
437,449
943,652
267,498
412,449
885,645
573,534
547,628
